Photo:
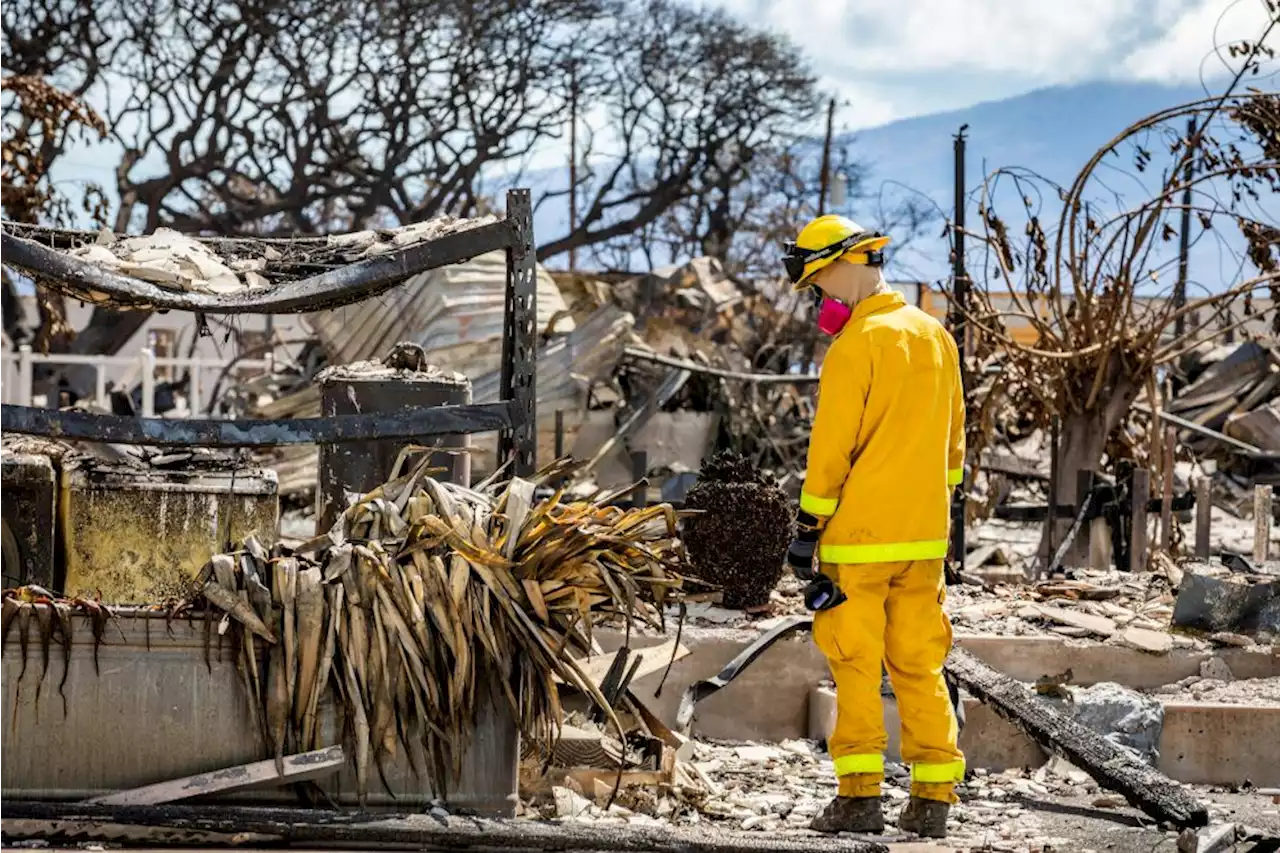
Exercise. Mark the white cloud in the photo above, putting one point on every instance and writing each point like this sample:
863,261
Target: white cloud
1187,47
899,58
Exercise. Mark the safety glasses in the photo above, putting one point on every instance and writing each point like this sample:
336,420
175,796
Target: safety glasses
796,259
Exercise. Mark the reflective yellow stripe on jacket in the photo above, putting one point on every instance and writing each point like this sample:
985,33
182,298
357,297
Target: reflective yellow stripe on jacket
892,552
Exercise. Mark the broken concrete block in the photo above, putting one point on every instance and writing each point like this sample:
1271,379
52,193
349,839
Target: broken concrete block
1145,640
758,753
569,804
1076,619
1216,668
1236,603
1125,717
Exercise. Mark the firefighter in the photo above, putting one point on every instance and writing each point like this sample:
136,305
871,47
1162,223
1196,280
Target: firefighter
886,452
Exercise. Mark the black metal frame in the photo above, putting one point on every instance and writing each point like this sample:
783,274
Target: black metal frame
515,414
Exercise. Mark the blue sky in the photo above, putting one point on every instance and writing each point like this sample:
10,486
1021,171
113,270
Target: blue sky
894,59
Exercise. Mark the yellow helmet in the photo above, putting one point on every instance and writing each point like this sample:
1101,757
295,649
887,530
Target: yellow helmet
827,238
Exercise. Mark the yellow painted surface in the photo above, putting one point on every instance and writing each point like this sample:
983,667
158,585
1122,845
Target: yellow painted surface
139,537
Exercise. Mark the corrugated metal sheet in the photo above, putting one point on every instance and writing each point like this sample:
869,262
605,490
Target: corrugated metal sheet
459,306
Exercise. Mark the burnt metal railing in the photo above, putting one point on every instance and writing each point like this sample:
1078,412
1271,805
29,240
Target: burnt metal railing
515,414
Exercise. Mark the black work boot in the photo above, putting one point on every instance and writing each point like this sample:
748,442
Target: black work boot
926,818
850,814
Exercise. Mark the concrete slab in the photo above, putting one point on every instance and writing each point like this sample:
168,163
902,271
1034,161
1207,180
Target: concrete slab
1207,744
1221,744
770,701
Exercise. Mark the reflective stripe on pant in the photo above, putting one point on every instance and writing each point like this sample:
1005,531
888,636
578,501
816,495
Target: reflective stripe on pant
893,614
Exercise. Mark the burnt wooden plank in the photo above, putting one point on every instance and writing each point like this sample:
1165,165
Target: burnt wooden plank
1110,765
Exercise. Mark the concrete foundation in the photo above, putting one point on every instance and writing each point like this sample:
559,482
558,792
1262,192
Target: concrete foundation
138,536
1199,743
770,701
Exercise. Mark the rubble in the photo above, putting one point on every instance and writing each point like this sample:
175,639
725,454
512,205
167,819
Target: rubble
1225,691
1123,716
779,789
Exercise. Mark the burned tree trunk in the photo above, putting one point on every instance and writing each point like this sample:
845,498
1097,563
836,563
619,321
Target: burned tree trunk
1081,446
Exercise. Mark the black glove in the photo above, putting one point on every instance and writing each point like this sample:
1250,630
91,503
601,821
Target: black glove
800,559
822,593
802,548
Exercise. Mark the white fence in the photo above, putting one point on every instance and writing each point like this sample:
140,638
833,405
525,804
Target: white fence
18,386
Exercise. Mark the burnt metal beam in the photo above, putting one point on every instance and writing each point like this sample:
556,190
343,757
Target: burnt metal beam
520,339
115,429
331,289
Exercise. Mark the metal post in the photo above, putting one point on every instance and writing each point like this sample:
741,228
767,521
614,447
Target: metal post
573,164
194,391
825,178
25,375
1139,494
1204,509
639,470
959,307
520,340
100,385
1184,239
148,367
1052,531
1166,504
1261,524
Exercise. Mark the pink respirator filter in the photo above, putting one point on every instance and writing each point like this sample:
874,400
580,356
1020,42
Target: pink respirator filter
832,315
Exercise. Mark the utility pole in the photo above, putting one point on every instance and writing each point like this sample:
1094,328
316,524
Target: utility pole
959,311
573,160
1184,238
826,158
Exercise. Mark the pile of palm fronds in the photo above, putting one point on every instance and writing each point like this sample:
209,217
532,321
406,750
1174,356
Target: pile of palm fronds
423,595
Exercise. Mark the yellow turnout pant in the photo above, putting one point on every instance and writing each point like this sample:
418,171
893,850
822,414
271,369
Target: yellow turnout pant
893,615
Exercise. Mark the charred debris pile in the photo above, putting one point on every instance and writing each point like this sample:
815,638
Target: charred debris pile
675,364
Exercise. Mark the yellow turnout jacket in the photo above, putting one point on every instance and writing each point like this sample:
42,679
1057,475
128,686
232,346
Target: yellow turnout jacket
888,437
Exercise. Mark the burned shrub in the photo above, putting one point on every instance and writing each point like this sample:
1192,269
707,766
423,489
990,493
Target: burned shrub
739,540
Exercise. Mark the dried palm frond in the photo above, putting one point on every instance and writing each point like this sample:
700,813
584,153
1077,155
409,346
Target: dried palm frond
423,595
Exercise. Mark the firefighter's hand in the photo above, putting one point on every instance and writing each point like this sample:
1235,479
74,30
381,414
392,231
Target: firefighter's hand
800,559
